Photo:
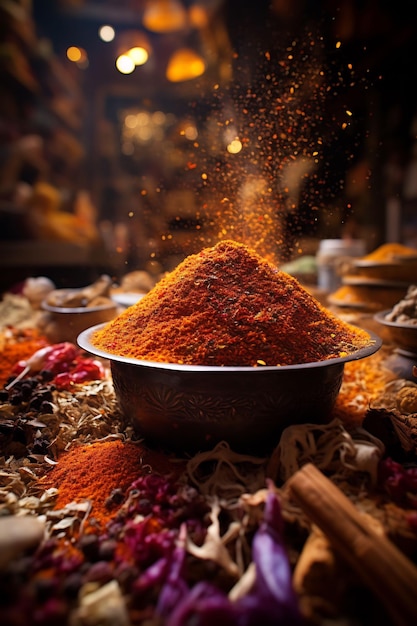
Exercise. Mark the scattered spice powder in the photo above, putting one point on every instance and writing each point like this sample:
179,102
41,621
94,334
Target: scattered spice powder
363,381
17,345
227,305
99,471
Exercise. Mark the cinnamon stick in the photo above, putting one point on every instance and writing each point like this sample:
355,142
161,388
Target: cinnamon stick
376,560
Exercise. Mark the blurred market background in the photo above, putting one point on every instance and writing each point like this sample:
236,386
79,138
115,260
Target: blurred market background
136,132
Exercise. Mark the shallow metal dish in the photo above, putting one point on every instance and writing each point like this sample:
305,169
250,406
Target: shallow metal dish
401,334
402,268
377,293
187,408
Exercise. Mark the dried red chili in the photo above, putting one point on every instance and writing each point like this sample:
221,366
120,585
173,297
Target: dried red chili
82,370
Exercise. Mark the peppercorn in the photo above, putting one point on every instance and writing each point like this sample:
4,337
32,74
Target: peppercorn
40,446
101,572
16,398
89,546
107,550
72,585
44,588
116,497
47,407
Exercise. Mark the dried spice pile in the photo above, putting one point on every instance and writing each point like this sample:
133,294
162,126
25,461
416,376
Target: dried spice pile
228,306
363,380
101,473
389,252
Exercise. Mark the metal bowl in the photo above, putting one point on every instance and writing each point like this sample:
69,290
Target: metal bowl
401,334
402,268
379,294
186,408
66,323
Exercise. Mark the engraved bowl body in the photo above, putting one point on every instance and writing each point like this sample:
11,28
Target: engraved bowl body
187,408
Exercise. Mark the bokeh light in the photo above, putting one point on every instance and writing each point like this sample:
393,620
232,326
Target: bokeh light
106,33
125,64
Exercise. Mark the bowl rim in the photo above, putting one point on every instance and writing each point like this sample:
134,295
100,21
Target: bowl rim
345,303
404,259
395,262
127,298
380,317
78,309
363,281
84,342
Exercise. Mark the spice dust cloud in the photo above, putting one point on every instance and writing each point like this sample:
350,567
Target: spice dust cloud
266,165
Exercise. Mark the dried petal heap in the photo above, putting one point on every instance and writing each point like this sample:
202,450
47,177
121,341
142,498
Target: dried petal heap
228,306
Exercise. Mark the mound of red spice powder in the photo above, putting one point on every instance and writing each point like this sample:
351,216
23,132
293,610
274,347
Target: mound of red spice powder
227,305
100,471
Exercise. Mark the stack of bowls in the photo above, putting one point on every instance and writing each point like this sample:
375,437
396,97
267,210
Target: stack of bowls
377,281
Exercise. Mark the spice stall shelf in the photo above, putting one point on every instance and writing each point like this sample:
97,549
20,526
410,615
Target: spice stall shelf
66,264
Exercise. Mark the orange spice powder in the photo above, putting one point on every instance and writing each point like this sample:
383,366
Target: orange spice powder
362,381
347,295
388,252
18,345
227,305
94,471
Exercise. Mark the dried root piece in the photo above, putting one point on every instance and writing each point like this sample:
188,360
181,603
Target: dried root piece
81,297
317,577
393,418
330,447
18,534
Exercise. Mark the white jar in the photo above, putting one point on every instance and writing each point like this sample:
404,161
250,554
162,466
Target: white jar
330,255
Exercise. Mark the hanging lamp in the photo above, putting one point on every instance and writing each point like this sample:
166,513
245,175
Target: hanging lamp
164,16
185,64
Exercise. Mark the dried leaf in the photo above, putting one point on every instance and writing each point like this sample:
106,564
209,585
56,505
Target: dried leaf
214,546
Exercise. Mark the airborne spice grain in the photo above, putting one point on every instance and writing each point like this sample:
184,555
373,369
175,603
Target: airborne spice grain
227,305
